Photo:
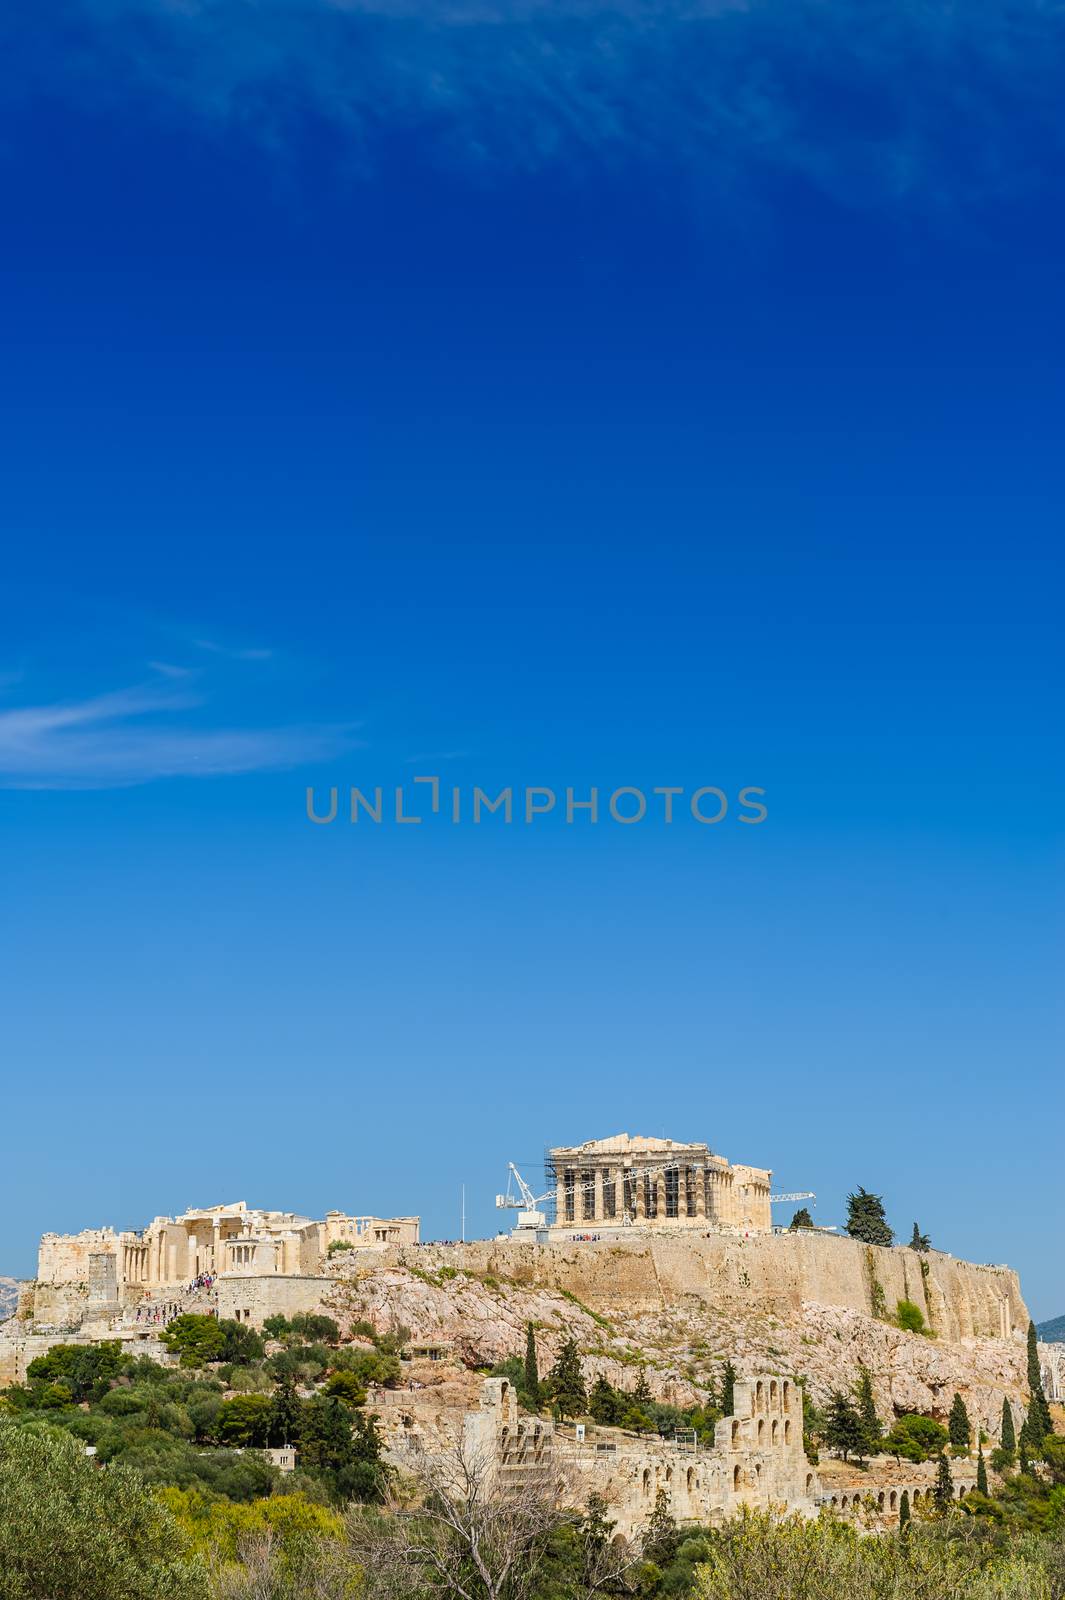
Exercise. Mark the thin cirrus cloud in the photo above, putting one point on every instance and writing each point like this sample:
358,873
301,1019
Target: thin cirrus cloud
138,735
860,98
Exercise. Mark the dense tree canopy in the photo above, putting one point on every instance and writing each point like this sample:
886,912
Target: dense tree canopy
71,1530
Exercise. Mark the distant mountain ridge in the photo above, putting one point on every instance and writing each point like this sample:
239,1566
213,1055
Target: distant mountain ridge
1052,1332
9,1288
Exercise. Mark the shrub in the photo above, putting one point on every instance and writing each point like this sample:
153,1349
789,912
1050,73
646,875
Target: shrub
910,1317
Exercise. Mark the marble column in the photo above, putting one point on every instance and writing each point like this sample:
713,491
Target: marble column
600,1208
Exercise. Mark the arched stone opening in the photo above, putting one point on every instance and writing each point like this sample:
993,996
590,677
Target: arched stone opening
736,1478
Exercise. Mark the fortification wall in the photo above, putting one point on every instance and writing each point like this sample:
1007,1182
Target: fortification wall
252,1299
958,1299
64,1257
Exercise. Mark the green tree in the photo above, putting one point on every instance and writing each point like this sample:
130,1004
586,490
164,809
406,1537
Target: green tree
915,1438
642,1395
532,1371
920,1241
1031,1440
286,1408
904,1510
1043,1422
345,1386
70,1530
244,1420
566,1382
801,1219
341,1447
197,1339
866,1219
605,1404
1008,1438
660,1538
981,1472
83,1371
872,1432
958,1426
728,1390
242,1345
842,1430
943,1492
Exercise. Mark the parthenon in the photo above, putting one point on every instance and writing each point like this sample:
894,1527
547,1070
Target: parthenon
633,1181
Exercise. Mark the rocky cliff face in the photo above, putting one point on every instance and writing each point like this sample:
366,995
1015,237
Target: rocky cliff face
817,1308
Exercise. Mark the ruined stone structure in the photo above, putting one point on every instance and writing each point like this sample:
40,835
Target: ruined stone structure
632,1181
222,1239
757,1460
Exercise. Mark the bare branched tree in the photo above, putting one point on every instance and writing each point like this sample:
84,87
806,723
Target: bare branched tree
477,1535
269,1569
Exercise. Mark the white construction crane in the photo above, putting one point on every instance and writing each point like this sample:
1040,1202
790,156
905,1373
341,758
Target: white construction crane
530,1221
786,1199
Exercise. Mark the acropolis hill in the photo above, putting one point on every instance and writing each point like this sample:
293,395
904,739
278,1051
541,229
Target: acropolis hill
662,1254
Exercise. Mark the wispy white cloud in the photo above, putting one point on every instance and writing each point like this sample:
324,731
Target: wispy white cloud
167,669
862,98
233,653
136,735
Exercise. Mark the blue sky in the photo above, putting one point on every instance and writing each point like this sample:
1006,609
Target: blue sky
559,395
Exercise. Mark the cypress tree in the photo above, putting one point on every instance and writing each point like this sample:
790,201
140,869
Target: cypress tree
1035,1377
981,1473
958,1425
566,1380
904,1510
604,1402
872,1432
283,1421
1009,1432
866,1219
843,1431
642,1392
728,1390
944,1489
801,1219
1033,1427
532,1374
1035,1384
660,1538
920,1241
